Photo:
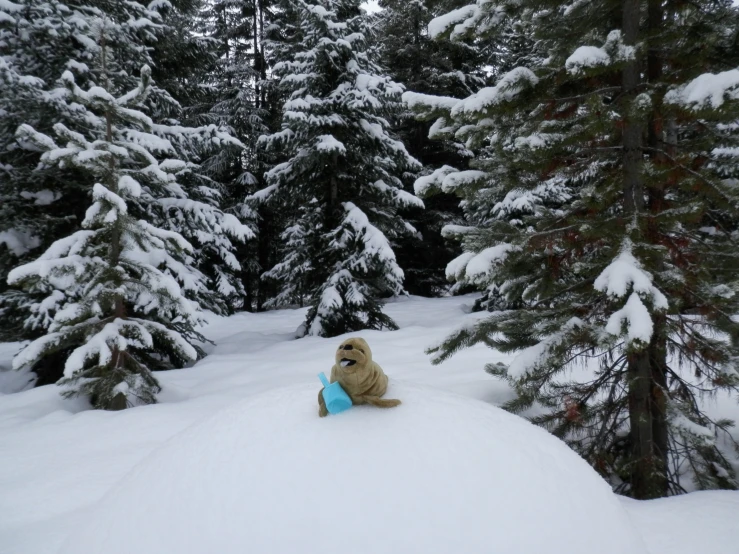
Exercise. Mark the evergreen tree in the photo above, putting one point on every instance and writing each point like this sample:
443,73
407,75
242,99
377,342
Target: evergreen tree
438,67
115,306
603,215
340,188
237,97
44,202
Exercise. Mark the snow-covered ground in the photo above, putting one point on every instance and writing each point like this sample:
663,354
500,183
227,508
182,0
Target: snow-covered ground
58,459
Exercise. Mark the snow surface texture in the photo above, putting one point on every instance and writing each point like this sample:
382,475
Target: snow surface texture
58,459
439,474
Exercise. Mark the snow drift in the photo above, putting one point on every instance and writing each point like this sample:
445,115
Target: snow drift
439,474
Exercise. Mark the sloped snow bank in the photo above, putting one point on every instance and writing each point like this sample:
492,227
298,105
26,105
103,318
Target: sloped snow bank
438,474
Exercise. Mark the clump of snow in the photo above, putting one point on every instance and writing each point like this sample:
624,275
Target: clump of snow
328,143
42,197
588,57
481,266
456,268
636,316
18,241
438,474
706,91
625,273
432,181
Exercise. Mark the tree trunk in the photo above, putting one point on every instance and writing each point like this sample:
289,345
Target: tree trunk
333,192
658,344
646,367
632,153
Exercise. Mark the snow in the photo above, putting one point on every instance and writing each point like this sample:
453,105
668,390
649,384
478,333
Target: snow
441,24
624,272
369,478
456,268
588,57
508,87
636,316
42,197
19,242
707,91
328,143
481,266
64,467
416,99
702,522
432,181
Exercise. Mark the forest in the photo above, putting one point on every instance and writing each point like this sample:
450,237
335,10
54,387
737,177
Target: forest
571,165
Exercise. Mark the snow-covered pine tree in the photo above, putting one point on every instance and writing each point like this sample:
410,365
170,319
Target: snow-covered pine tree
439,67
606,220
116,309
340,187
36,42
45,202
236,96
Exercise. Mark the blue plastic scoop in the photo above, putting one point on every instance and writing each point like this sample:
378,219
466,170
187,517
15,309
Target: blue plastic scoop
335,397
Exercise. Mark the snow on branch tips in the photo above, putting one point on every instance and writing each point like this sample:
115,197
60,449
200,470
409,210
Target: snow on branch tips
476,267
508,87
429,106
588,57
462,21
707,91
428,184
622,275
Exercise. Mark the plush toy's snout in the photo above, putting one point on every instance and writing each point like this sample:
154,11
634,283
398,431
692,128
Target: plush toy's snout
352,353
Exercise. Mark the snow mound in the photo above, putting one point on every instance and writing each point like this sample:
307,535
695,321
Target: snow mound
438,474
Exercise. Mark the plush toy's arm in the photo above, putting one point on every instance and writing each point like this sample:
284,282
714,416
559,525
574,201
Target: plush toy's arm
322,411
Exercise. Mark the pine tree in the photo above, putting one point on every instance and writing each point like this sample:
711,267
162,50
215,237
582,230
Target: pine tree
44,202
36,44
603,215
237,97
115,307
438,67
340,188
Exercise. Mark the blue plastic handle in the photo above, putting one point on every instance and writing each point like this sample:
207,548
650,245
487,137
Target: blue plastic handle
323,379
334,396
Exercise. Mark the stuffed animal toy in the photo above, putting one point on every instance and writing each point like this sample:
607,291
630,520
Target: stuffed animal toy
361,378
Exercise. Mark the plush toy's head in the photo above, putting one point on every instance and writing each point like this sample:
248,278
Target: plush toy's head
354,353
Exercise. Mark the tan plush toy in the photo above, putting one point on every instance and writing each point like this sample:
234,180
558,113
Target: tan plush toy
361,378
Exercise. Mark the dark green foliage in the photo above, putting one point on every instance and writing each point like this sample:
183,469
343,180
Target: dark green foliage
601,220
440,67
339,188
